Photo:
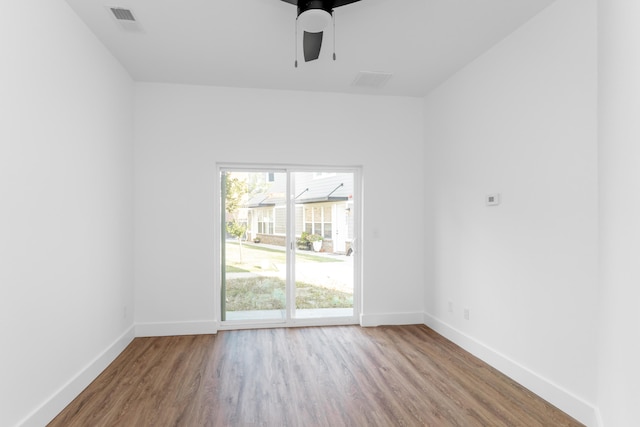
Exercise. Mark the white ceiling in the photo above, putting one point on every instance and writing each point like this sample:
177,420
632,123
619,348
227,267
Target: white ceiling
251,43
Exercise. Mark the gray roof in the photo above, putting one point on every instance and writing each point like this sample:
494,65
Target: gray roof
309,189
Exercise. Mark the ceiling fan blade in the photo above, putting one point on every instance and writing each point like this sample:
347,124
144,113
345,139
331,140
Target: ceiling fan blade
334,4
339,3
312,42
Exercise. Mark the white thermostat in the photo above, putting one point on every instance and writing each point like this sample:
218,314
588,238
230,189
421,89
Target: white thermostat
492,199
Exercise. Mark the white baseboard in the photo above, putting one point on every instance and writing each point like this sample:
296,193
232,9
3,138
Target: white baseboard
380,319
60,399
551,392
176,328
599,421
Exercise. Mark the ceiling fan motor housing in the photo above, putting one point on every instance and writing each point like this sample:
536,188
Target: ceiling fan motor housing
303,6
314,16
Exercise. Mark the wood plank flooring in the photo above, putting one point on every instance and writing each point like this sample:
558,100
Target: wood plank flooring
329,376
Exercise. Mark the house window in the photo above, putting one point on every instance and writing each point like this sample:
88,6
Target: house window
317,220
265,222
308,220
326,221
316,212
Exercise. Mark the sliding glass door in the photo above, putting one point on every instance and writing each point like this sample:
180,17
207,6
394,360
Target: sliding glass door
287,246
254,263
324,268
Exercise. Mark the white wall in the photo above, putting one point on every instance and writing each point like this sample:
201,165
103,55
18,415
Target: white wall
619,373
182,131
521,120
66,211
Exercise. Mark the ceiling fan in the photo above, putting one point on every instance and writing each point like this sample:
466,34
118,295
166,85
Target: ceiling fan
314,16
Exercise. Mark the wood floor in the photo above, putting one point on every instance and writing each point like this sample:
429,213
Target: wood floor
330,376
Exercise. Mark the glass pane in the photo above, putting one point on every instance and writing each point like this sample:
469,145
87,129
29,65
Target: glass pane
253,257
327,230
324,274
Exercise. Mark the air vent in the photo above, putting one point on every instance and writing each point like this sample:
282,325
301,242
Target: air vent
371,79
125,18
122,14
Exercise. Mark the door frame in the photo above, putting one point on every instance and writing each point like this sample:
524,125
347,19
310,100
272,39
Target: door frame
357,253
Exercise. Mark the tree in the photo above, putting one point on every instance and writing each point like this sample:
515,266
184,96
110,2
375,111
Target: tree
236,191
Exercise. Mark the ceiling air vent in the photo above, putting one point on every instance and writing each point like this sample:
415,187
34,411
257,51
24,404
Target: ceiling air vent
122,14
125,18
371,79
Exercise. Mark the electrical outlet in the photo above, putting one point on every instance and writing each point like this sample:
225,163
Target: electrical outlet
466,313
450,307
124,312
492,199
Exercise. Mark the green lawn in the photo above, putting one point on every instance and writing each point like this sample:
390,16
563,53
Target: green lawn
234,269
268,293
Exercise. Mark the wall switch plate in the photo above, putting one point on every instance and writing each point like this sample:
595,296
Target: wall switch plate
492,199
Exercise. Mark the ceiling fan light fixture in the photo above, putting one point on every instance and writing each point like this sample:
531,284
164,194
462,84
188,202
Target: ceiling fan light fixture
314,20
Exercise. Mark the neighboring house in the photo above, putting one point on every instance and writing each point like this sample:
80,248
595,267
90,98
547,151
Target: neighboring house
323,205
